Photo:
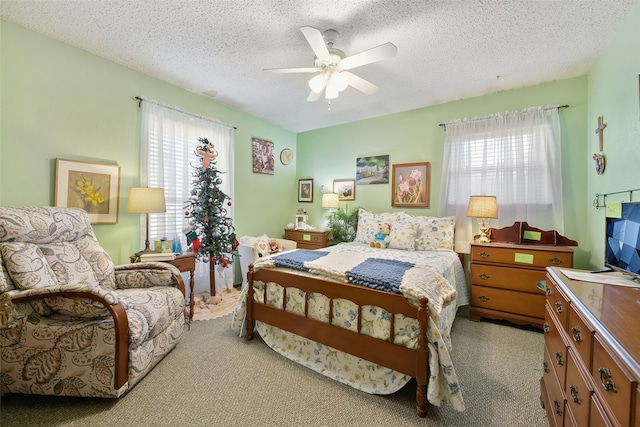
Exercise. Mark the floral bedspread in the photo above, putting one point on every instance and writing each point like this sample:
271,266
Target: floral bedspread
356,372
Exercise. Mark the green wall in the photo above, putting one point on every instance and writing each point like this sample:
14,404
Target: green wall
415,136
613,89
60,101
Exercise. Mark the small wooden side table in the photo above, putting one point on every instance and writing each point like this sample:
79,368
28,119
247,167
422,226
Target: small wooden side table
308,239
185,262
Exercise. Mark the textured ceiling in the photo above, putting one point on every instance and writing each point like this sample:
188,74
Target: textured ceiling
447,50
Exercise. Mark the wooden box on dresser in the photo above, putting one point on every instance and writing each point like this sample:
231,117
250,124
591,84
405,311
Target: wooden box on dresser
505,280
591,362
308,239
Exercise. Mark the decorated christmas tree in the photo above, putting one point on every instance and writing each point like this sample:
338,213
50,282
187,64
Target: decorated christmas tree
207,211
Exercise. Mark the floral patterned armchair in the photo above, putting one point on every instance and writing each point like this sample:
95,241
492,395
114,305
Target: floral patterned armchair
71,322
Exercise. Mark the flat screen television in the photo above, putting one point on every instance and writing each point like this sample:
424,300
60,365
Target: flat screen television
622,247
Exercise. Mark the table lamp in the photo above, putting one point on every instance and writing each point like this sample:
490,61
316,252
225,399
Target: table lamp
330,201
483,208
146,200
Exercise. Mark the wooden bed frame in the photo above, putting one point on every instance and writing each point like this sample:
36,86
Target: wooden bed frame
412,362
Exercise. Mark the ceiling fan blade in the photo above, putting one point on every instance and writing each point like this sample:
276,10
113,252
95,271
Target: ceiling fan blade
361,84
378,53
315,40
314,96
290,70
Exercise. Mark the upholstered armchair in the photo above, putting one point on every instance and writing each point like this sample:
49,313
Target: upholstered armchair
71,322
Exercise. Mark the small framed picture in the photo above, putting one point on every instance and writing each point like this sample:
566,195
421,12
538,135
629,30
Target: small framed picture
346,188
410,185
305,190
262,156
93,187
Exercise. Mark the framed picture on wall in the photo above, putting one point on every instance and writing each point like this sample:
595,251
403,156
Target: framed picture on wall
346,188
263,161
410,185
93,187
372,170
305,190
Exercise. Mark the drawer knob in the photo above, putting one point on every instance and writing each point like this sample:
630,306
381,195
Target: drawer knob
607,382
483,298
559,307
574,394
545,367
556,407
559,358
555,261
575,331
484,254
545,327
548,292
484,276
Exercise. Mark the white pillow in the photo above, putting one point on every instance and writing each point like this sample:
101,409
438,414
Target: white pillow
403,236
368,224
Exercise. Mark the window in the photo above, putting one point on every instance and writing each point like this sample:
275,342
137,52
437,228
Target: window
168,143
513,156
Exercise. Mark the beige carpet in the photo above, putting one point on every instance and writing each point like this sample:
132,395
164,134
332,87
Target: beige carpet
207,307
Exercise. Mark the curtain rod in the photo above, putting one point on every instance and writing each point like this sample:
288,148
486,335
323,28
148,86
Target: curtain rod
444,125
140,99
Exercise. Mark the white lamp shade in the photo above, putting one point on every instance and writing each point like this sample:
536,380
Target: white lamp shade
482,207
146,200
330,201
339,81
317,83
330,92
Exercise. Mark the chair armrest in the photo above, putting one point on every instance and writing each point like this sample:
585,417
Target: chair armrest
148,274
116,310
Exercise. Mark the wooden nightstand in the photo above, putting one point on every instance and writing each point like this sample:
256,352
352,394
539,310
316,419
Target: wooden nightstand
184,263
507,280
308,239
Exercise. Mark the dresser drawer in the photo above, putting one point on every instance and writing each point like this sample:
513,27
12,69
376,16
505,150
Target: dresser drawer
576,390
517,279
581,336
308,239
597,415
559,302
521,256
553,396
508,301
612,386
553,337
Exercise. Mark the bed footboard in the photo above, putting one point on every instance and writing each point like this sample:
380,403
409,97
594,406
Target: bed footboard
408,361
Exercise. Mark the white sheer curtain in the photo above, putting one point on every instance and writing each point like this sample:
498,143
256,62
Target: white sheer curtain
168,140
514,156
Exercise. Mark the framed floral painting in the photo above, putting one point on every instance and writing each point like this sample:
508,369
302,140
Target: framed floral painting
93,187
410,185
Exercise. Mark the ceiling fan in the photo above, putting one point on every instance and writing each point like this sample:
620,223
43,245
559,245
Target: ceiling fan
332,64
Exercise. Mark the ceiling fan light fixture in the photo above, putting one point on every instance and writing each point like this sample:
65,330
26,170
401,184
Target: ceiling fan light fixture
317,83
330,92
339,81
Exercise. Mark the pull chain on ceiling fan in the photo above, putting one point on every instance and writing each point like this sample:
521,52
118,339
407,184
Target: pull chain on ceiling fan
331,65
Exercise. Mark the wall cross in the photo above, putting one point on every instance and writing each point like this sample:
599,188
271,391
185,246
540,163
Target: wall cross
600,130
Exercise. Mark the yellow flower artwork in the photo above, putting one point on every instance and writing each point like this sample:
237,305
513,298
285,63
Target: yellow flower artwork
87,191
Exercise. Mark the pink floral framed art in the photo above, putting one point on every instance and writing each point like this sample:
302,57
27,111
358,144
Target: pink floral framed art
410,185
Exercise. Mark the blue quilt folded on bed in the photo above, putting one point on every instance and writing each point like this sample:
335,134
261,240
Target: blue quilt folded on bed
380,274
296,259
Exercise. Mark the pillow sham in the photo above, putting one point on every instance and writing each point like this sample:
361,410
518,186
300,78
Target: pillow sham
403,236
368,223
435,233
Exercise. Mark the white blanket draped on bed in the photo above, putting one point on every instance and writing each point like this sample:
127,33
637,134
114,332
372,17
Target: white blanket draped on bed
441,269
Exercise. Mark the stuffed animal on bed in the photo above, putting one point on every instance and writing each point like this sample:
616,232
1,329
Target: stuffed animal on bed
381,238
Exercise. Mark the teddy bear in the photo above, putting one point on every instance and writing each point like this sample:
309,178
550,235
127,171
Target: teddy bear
381,238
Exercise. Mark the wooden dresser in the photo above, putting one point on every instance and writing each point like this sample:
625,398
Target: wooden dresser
507,280
308,239
591,362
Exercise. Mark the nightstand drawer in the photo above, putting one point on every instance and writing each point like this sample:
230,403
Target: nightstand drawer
513,278
508,301
308,239
520,255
